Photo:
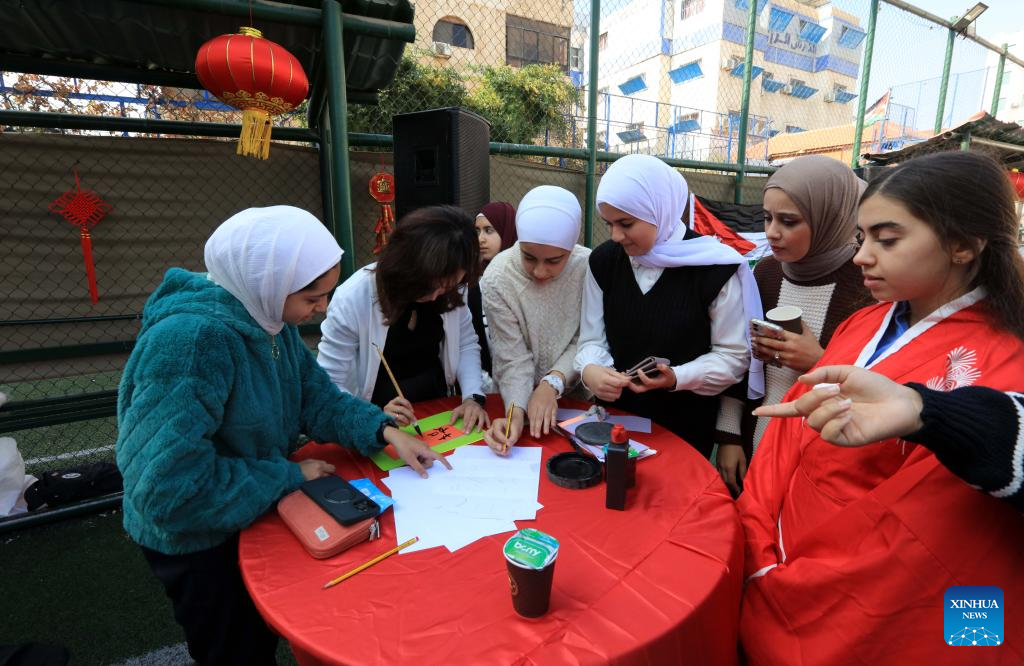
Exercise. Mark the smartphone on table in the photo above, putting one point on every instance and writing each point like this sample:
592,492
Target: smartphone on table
343,501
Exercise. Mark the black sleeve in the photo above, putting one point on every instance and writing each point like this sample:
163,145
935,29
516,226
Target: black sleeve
975,431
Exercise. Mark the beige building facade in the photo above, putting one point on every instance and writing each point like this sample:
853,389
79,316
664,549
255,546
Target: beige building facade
671,74
515,32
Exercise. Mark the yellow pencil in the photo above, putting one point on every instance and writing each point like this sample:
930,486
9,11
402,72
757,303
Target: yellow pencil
508,425
369,564
398,389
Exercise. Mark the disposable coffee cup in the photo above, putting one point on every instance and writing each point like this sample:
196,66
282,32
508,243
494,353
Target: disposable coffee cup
530,557
788,317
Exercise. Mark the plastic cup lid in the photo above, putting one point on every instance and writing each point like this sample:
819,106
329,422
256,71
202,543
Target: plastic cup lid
531,549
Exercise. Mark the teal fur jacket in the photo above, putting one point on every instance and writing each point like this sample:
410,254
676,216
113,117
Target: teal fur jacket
209,407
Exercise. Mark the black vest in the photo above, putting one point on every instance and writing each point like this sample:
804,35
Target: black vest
670,320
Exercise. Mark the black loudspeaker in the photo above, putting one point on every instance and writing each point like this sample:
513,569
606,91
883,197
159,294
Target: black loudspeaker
442,156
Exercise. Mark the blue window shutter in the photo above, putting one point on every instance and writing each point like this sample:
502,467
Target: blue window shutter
633,85
811,32
778,19
851,37
686,72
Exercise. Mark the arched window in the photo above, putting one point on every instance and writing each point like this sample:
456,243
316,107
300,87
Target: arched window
454,31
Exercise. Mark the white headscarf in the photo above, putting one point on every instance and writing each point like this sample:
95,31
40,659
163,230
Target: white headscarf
651,191
549,215
262,255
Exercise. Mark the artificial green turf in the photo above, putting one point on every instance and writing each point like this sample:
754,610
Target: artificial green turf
84,584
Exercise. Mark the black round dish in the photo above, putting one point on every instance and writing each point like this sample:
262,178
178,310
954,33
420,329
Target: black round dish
574,470
595,433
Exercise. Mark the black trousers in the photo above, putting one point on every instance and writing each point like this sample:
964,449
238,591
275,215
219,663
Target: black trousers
222,626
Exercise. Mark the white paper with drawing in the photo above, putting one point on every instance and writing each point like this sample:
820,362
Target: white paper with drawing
482,495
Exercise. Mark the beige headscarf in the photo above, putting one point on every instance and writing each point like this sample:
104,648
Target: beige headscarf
826,191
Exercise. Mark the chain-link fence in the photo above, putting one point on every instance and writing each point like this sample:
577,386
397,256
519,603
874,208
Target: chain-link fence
671,80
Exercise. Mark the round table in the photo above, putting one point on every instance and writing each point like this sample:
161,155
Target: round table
657,583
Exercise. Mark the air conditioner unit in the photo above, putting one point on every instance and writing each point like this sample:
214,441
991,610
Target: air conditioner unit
732,62
791,87
443,49
830,97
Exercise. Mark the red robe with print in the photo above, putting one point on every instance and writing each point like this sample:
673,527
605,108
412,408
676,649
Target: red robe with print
850,550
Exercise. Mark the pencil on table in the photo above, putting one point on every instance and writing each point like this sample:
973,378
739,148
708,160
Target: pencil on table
508,425
367,565
398,390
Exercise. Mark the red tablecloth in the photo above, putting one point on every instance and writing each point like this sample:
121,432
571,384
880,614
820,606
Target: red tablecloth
658,583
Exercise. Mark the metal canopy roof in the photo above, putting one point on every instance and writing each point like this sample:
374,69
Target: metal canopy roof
155,41
1004,141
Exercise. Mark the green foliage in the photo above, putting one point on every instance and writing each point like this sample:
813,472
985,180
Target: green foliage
416,87
520,103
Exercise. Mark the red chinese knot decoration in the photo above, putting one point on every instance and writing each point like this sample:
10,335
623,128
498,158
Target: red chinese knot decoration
84,209
1017,180
255,75
382,189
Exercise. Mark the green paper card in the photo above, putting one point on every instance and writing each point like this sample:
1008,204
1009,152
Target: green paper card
436,432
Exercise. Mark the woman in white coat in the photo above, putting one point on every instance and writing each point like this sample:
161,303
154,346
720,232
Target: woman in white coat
410,304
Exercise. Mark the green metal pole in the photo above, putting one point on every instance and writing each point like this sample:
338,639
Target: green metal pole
999,81
965,141
941,111
337,110
865,77
591,191
748,65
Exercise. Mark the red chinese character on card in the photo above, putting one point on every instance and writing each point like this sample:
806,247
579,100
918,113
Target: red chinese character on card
441,434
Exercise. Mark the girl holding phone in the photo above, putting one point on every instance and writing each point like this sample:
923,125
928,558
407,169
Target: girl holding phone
657,288
810,212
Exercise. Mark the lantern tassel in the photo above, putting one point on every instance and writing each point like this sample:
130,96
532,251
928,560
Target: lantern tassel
255,138
90,269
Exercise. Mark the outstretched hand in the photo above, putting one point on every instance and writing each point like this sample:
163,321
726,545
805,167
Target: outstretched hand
855,407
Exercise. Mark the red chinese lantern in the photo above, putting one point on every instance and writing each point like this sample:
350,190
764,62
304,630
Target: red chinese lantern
255,75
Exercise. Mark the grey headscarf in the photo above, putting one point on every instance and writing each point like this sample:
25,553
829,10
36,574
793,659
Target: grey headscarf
826,191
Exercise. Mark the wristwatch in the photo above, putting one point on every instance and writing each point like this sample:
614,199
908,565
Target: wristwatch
479,399
556,383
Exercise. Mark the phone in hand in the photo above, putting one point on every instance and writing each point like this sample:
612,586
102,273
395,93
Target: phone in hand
340,499
649,366
766,329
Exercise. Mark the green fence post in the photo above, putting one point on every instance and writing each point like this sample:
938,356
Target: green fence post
337,109
999,81
965,141
748,65
941,111
869,48
595,34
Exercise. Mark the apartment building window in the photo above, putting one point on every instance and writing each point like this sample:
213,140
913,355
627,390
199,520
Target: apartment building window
691,8
602,41
451,30
576,58
529,42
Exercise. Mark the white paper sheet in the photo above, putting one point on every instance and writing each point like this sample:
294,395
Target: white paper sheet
482,494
